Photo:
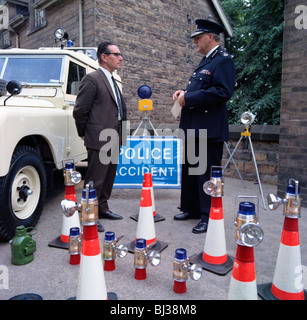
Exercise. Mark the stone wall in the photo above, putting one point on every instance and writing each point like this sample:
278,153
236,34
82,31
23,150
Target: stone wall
265,141
265,145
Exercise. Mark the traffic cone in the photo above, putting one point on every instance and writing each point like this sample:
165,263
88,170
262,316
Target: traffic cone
288,277
243,281
146,226
91,285
214,257
62,241
147,184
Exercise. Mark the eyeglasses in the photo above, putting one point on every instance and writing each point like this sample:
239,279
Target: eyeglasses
117,54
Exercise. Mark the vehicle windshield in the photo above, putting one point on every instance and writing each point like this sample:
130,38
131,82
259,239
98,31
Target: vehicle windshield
34,70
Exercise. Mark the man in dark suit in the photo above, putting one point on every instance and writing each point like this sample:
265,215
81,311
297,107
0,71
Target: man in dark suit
99,112
204,107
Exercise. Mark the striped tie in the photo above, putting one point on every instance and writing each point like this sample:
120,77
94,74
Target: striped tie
118,99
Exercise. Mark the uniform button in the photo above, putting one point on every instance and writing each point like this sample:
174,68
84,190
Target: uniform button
206,111
189,82
200,78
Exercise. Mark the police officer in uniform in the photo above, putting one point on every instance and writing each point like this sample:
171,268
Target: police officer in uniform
204,107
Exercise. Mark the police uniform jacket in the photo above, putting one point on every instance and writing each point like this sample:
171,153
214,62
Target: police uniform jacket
210,87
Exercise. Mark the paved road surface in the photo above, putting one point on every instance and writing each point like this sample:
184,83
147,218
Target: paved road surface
52,277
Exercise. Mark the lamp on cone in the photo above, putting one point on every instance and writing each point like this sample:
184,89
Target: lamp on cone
142,255
214,257
71,220
111,250
248,235
181,270
147,184
288,276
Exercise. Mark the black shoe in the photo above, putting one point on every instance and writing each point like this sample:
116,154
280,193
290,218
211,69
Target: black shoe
201,227
100,227
109,215
184,216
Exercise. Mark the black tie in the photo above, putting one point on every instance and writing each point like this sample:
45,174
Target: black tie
118,99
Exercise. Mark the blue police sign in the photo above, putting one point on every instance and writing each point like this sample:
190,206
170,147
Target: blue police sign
160,156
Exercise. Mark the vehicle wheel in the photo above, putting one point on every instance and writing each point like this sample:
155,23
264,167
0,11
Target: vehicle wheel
22,191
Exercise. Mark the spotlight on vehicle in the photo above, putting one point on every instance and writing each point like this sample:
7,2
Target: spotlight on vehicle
60,34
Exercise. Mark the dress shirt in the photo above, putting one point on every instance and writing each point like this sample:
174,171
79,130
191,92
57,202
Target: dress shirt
109,77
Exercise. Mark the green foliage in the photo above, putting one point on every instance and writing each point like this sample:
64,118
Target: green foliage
256,48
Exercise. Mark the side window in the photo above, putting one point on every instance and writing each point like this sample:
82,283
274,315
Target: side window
75,74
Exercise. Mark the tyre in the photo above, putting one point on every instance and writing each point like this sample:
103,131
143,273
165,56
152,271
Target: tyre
22,191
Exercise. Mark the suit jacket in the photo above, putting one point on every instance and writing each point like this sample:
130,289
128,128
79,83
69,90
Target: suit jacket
96,109
210,87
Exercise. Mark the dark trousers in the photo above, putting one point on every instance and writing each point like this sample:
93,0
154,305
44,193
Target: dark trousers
102,175
193,199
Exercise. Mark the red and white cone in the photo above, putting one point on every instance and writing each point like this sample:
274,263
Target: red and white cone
214,257
146,227
148,184
91,285
243,284
67,222
288,277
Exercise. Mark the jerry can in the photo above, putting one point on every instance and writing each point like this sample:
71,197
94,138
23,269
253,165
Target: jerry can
23,246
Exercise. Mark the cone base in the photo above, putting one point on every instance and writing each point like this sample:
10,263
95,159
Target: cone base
179,287
264,292
220,269
57,243
111,296
158,247
140,274
157,218
27,296
109,265
74,259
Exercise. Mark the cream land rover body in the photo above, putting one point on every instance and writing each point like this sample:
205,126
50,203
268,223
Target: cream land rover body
37,130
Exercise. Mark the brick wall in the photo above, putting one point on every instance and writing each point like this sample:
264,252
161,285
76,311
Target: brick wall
293,122
153,35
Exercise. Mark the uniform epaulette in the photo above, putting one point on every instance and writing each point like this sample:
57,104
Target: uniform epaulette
223,53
